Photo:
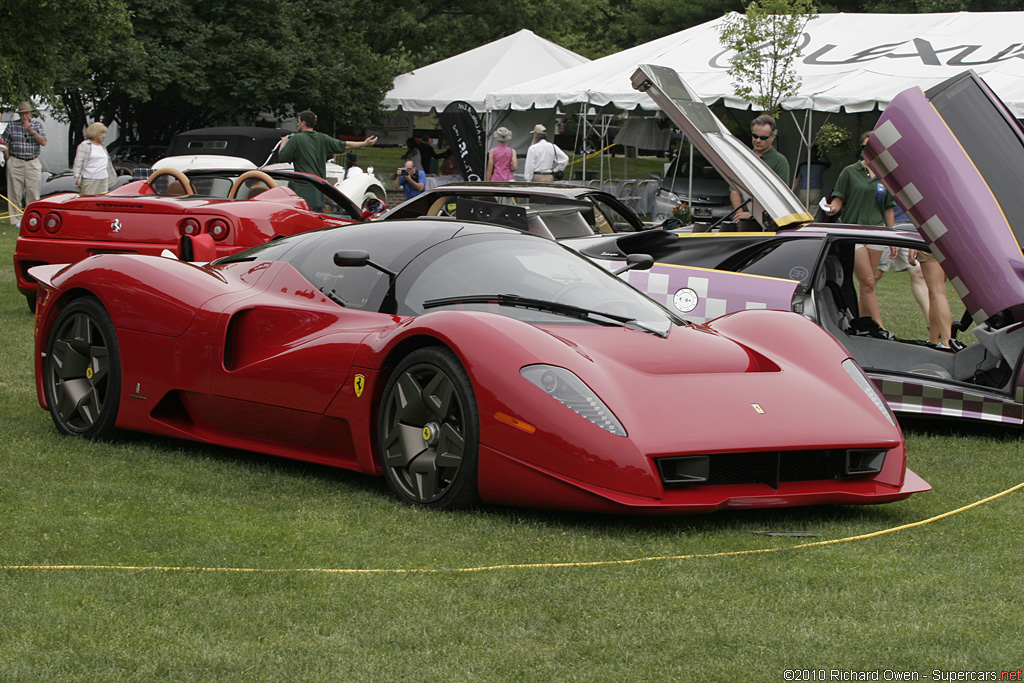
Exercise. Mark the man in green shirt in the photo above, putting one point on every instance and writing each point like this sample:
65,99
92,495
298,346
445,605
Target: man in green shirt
763,130
309,150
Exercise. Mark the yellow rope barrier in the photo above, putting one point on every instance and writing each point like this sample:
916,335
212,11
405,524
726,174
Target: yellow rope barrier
548,565
591,155
19,209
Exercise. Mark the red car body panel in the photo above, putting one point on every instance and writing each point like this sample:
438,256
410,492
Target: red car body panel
250,355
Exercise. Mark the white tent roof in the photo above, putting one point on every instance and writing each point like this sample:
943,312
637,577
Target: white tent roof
851,61
471,75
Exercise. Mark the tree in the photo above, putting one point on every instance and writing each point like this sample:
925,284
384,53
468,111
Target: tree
420,33
157,67
766,44
647,20
50,46
225,62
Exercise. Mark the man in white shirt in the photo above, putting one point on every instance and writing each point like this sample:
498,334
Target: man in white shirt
543,158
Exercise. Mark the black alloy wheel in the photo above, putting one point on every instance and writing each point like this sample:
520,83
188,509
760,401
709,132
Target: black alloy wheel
428,430
82,371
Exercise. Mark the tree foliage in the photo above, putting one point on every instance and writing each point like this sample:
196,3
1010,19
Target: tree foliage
765,41
222,61
50,45
157,67
650,19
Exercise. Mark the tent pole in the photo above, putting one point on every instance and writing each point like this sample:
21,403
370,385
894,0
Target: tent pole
689,190
810,150
805,139
583,127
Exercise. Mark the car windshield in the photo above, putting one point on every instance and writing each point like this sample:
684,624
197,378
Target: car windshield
600,214
533,280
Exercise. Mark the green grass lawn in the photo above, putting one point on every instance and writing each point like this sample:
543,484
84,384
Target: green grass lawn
946,595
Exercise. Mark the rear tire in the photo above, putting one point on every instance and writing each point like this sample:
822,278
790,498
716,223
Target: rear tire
82,371
428,431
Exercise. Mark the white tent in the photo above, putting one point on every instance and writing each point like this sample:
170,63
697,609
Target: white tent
471,75
850,62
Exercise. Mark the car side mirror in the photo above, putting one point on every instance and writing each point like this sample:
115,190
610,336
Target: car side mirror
637,262
351,258
371,208
657,176
357,258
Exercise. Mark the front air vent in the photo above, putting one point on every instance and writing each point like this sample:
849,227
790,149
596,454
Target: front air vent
770,467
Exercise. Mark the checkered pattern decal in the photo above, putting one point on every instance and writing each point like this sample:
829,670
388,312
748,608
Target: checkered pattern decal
926,398
917,157
700,295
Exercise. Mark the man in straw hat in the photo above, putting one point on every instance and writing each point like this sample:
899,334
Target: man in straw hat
24,140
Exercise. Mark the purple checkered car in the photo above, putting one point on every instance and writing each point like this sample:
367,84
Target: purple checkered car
954,159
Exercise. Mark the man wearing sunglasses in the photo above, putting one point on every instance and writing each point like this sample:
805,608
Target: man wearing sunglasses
762,131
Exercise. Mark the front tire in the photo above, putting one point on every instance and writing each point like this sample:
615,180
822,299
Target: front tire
428,431
82,371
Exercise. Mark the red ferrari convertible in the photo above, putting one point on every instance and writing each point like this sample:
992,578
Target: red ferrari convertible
197,215
465,362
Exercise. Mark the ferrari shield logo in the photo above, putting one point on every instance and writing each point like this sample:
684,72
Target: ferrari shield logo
360,384
757,408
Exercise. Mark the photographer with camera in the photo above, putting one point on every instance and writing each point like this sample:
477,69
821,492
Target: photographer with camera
410,179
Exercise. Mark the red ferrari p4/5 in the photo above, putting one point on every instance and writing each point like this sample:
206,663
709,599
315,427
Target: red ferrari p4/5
465,362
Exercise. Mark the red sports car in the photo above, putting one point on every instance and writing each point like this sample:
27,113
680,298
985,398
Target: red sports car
465,362
198,215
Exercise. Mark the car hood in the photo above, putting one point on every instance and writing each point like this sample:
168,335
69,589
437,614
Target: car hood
736,162
954,158
668,391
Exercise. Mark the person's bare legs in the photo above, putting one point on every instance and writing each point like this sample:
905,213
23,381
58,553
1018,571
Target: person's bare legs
940,317
865,263
920,289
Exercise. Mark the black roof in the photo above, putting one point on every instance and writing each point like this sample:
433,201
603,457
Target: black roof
249,142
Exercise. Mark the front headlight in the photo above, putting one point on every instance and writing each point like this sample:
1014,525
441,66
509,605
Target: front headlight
668,196
868,387
573,393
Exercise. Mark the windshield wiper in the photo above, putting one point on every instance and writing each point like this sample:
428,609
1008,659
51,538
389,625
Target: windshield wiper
540,305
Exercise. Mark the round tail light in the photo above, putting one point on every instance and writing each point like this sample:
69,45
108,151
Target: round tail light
32,221
218,228
189,226
52,222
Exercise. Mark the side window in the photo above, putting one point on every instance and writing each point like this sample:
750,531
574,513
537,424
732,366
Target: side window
792,259
419,206
609,219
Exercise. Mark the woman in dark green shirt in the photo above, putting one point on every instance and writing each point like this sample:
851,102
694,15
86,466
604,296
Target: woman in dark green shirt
861,199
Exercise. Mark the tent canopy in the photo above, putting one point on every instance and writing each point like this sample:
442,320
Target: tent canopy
471,75
851,62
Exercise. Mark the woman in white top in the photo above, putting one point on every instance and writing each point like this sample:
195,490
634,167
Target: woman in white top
92,168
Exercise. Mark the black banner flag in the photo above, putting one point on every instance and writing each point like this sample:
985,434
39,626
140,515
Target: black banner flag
465,136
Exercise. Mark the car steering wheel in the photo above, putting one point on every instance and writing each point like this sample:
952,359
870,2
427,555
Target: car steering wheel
186,184
237,185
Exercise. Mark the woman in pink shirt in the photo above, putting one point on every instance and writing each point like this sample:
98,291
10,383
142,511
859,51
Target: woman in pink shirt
501,161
